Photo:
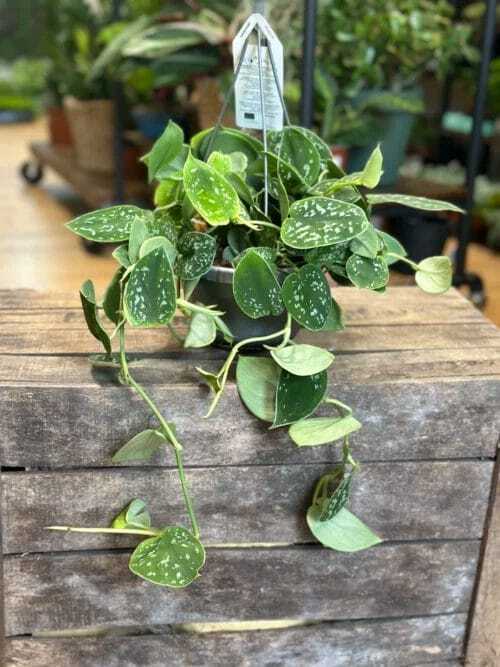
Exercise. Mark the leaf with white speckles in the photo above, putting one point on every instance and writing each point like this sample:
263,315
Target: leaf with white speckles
196,255
298,396
174,558
367,273
107,225
210,193
320,221
162,224
307,297
159,242
150,293
297,156
255,287
420,203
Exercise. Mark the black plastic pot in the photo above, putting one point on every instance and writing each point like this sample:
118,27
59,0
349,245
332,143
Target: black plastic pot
421,235
216,288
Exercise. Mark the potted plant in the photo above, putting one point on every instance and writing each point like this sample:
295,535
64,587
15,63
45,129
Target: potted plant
246,260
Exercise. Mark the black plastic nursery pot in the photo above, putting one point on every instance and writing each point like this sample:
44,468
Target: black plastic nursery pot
421,235
216,288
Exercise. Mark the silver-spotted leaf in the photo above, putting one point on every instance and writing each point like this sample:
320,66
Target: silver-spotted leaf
298,396
322,430
307,297
174,558
202,331
150,293
89,306
107,225
367,273
344,532
210,193
255,287
320,221
162,224
420,203
302,359
337,500
257,379
294,148
159,242
196,255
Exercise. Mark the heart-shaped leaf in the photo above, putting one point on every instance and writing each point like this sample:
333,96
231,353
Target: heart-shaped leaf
367,244
138,234
87,297
255,287
257,379
159,242
329,256
298,396
135,515
307,297
112,297
225,140
294,148
321,221
107,225
202,331
196,255
165,149
344,532
173,559
210,193
421,203
322,430
163,224
302,359
391,245
150,293
367,273
434,274
321,146
142,447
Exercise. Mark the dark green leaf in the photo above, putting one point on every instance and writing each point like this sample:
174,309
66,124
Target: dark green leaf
112,297
367,273
255,287
298,396
87,297
196,255
322,147
162,224
337,500
302,359
107,225
226,140
367,244
165,149
307,297
257,379
322,430
334,321
135,515
294,148
141,447
173,559
321,221
211,194
150,293
202,331
344,532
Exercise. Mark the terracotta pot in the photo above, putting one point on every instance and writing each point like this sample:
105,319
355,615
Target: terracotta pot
91,123
59,129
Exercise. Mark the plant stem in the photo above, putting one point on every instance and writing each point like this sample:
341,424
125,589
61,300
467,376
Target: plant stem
174,333
414,266
187,305
122,531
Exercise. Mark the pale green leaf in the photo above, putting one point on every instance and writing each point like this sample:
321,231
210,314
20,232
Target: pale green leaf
134,515
392,245
367,244
202,331
373,169
257,379
107,225
210,193
421,203
138,234
322,430
141,447
434,274
165,149
121,256
344,532
307,297
159,242
302,359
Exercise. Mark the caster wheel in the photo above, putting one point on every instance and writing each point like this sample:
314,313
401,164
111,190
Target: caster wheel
92,247
32,172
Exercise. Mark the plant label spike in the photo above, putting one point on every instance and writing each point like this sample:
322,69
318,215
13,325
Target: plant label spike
247,89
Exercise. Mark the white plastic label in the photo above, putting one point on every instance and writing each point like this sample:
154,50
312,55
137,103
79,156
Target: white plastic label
247,87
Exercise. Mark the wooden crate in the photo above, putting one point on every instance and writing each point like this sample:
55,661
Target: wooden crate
422,374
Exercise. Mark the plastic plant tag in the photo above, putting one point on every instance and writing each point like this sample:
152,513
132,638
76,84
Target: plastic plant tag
247,88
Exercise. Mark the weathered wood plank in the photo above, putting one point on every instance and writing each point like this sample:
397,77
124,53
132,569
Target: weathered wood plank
399,305
483,648
264,504
363,644
73,427
59,331
54,592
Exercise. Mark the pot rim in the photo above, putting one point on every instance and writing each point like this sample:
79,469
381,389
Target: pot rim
220,274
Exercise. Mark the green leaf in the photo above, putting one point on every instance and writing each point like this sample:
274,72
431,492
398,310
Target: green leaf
391,245
107,225
202,331
321,221
121,256
337,500
162,224
344,532
142,447
307,297
173,559
226,140
112,297
298,396
221,162
89,306
321,146
255,287
134,515
165,149
166,192
196,255
210,379
150,293
294,148
329,256
367,273
434,274
159,242
257,379
367,244
373,169
302,359
421,203
211,194
322,430
138,234
334,321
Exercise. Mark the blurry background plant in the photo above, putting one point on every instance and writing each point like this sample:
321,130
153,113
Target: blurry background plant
22,84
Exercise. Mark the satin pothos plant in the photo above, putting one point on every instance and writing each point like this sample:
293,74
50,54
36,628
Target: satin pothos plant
285,219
